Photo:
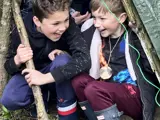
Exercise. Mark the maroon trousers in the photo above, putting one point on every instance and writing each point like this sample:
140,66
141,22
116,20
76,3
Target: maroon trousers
102,95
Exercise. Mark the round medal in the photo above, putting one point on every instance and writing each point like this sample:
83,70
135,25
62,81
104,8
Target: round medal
105,72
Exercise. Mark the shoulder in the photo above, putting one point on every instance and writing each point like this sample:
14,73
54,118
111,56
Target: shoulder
73,28
133,37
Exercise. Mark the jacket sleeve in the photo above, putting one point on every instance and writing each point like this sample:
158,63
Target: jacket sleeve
80,60
9,64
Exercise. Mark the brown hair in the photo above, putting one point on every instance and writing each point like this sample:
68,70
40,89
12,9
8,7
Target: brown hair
42,8
115,6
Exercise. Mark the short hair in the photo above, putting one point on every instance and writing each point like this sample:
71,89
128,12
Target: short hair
115,6
42,8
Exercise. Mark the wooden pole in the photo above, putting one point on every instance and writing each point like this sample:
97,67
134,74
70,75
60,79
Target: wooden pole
42,115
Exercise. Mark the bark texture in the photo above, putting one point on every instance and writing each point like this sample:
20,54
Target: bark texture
4,40
42,115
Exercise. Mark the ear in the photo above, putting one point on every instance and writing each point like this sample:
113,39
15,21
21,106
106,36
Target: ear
122,17
36,21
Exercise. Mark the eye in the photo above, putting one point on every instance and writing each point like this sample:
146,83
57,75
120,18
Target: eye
55,24
67,20
102,18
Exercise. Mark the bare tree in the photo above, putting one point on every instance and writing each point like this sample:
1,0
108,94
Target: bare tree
4,39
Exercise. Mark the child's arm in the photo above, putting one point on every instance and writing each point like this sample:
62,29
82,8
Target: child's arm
9,64
80,61
17,54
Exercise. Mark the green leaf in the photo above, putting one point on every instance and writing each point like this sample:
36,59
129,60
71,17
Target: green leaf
5,113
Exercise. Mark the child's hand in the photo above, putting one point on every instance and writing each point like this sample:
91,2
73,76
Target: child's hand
80,18
53,54
34,77
133,26
23,54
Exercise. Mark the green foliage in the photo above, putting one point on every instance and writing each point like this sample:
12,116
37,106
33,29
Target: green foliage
5,113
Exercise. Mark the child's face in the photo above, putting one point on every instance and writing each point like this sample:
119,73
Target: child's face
55,25
106,23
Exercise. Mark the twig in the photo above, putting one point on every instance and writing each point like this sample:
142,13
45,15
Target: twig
42,115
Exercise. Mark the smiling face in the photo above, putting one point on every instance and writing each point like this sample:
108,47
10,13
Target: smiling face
104,20
107,24
54,25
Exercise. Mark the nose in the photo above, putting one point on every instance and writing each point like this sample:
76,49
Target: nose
97,23
63,27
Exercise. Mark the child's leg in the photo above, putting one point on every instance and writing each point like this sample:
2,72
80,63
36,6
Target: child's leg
79,83
58,61
17,94
66,99
104,97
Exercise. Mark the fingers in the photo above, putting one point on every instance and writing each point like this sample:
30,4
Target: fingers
24,53
21,46
29,81
26,71
133,26
85,16
81,18
27,76
57,52
30,84
53,54
75,14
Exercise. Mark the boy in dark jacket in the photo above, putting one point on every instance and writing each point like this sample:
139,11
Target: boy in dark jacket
51,31
122,89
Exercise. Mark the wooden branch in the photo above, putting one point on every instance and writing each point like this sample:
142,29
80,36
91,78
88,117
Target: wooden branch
42,115
143,36
4,40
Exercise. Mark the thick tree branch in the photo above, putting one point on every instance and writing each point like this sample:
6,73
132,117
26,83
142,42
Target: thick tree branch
42,115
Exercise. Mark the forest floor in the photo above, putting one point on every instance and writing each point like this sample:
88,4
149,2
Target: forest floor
24,114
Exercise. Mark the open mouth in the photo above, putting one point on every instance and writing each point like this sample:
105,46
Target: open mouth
57,35
102,31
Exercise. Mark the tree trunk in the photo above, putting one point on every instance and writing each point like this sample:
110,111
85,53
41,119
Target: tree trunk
143,36
4,40
42,115
1,3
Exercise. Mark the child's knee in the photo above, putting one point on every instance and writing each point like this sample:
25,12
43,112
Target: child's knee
60,60
80,81
63,59
8,102
91,90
